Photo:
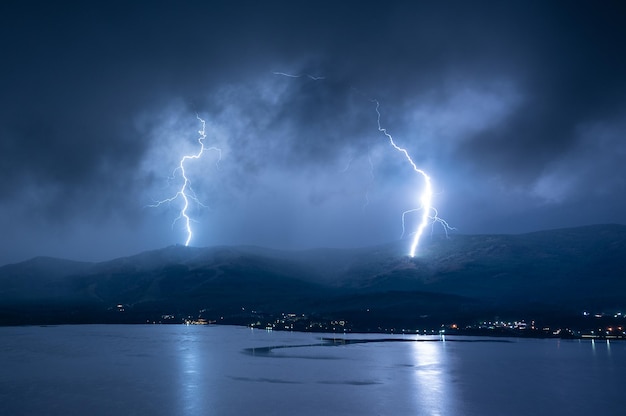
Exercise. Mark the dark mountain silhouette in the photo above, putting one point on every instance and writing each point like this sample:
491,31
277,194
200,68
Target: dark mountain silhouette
550,275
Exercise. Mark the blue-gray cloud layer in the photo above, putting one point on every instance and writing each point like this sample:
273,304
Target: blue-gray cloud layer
516,109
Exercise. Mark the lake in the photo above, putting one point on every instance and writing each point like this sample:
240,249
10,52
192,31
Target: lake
221,370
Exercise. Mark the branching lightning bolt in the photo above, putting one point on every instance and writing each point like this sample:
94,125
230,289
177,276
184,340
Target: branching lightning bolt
312,77
429,213
186,192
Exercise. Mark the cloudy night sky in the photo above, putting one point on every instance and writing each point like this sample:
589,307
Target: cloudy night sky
517,111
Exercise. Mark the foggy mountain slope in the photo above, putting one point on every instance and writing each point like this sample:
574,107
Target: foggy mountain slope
553,270
39,278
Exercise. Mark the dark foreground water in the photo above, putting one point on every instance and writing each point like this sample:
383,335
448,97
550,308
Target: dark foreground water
193,370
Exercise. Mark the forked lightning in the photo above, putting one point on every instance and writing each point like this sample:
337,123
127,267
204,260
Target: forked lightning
429,213
186,192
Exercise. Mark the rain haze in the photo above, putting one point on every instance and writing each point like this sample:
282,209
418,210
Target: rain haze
516,110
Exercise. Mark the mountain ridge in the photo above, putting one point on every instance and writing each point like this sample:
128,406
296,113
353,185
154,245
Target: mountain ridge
545,273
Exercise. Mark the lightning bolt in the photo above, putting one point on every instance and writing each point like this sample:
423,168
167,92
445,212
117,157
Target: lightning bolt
312,77
186,192
429,213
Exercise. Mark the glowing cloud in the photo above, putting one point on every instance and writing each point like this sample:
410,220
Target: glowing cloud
429,214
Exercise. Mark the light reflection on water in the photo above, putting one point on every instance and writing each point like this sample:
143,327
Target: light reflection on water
194,393
168,370
431,380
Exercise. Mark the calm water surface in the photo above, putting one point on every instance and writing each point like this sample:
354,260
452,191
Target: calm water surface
194,370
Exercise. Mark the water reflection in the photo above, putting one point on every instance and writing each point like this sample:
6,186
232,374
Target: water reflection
175,370
432,381
193,392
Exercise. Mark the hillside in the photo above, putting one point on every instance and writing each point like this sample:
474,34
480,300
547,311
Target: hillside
550,275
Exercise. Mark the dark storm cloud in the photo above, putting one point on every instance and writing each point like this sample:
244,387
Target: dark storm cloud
514,107
574,74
